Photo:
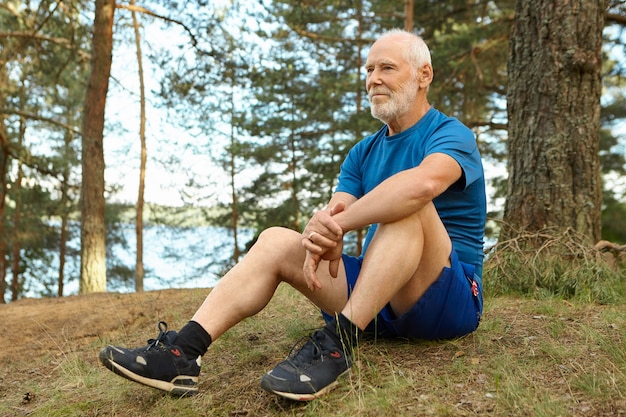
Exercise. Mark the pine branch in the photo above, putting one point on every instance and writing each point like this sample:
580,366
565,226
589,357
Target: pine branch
143,10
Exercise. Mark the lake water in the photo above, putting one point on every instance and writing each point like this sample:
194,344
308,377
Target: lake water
172,257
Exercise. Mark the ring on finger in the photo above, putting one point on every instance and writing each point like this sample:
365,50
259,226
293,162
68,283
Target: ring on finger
311,236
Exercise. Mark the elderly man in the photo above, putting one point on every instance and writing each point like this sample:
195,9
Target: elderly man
418,184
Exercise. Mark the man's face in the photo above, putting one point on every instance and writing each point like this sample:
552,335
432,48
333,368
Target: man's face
391,85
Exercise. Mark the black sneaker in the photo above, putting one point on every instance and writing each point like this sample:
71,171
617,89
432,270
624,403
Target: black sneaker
311,371
160,364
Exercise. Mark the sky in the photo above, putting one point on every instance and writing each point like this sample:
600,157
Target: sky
122,142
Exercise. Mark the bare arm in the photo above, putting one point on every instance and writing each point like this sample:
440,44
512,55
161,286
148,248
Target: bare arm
401,194
395,198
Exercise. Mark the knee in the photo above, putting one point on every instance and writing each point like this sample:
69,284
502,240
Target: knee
279,250
416,221
277,238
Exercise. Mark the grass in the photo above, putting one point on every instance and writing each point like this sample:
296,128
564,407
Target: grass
529,357
555,263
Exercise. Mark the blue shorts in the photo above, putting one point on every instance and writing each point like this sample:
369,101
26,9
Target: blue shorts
451,307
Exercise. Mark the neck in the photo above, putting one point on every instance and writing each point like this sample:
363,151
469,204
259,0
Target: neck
407,120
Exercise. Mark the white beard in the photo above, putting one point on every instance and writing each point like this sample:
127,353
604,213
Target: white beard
398,103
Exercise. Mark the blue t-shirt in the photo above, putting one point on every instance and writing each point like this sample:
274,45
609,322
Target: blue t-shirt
462,207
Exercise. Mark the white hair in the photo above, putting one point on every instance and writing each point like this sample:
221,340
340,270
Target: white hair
417,52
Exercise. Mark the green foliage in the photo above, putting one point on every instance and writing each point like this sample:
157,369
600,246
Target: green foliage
614,220
553,264
272,93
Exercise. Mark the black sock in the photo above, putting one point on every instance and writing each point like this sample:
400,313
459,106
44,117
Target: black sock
193,340
344,330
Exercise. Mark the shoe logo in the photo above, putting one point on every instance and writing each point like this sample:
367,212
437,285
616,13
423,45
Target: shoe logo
175,352
335,355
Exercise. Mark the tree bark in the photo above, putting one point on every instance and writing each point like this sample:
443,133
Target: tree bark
93,247
553,105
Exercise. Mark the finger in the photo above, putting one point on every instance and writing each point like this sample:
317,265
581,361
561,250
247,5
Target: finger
333,267
323,223
333,230
318,244
321,240
314,283
338,208
311,280
309,268
312,247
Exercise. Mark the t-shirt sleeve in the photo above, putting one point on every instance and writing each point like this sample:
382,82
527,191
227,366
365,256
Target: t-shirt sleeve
350,174
457,141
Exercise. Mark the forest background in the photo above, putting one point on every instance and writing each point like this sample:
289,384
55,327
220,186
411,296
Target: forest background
245,109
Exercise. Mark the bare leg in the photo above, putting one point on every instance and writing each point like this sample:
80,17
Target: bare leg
278,256
246,289
402,261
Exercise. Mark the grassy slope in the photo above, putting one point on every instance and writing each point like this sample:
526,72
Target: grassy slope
528,358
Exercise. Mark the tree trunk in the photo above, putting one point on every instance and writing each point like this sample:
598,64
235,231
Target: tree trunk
4,162
234,212
17,243
408,15
62,252
553,105
16,190
139,270
93,250
65,214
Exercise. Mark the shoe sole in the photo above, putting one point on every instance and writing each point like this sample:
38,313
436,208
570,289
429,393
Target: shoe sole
308,397
182,385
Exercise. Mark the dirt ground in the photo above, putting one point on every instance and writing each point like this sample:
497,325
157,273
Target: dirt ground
39,325
34,328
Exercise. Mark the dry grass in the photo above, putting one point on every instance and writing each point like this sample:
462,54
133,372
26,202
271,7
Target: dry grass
555,263
528,358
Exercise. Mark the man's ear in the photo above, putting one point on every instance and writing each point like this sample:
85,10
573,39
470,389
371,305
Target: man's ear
425,76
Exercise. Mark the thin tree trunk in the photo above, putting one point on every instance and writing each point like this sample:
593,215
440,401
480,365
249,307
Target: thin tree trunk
16,244
234,217
293,164
93,242
408,15
62,252
65,212
17,210
4,161
139,270
5,156
553,100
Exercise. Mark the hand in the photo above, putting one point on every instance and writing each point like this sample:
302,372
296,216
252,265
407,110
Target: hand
322,233
327,246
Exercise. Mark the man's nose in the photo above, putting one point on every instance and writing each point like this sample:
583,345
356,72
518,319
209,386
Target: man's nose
373,78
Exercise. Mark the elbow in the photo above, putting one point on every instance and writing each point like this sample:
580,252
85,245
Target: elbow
426,192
